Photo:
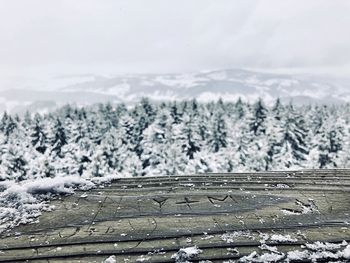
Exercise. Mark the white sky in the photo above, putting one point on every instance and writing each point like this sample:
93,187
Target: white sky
94,36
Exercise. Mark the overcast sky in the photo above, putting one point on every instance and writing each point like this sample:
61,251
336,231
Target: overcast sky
94,36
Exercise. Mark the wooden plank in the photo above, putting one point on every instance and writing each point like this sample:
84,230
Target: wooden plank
150,219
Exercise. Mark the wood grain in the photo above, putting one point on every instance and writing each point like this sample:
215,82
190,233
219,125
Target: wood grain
152,218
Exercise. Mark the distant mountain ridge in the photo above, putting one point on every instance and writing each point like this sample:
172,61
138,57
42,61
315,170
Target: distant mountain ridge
227,84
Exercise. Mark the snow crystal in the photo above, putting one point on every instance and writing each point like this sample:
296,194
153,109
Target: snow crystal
191,251
346,252
323,246
314,252
264,237
282,186
232,251
268,248
324,255
298,255
304,208
143,258
184,254
290,212
206,236
248,258
282,238
189,185
269,257
232,236
111,259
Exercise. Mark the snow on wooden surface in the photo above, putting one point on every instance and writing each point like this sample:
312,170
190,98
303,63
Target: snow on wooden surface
199,218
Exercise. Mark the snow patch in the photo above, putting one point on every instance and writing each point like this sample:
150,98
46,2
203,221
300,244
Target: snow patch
111,259
22,202
282,238
184,254
143,258
318,251
232,237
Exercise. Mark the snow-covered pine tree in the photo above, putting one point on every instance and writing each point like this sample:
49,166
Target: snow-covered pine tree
128,143
174,113
143,115
293,149
274,135
58,138
327,144
218,132
8,124
14,163
257,119
278,109
27,120
257,146
155,142
241,139
37,134
110,115
240,109
190,137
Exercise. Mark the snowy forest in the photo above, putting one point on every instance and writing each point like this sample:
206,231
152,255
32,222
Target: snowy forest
173,138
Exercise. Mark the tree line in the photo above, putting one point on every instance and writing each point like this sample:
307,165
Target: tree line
173,138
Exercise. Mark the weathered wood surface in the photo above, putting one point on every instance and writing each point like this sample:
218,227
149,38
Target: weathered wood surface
152,218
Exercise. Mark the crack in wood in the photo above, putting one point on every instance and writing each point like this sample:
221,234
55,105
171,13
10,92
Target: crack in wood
98,211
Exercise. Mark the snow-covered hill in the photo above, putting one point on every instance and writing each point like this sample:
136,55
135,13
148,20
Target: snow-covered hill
204,86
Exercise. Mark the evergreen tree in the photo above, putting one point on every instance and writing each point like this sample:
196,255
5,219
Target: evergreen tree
293,148
160,144
174,113
3,122
218,135
240,109
327,145
27,121
242,148
143,116
278,109
190,137
132,165
37,135
14,163
155,140
257,125
58,138
7,125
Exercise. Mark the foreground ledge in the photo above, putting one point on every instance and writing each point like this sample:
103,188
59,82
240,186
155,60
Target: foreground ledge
227,216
